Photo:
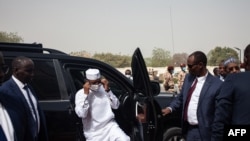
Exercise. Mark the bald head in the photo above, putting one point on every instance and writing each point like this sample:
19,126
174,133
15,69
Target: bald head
19,61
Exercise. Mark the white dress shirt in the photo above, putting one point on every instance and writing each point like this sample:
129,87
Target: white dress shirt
194,101
21,87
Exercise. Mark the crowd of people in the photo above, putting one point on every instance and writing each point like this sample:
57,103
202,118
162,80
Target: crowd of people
173,81
212,102
209,102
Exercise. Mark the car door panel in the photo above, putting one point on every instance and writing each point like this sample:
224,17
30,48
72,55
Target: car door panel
148,115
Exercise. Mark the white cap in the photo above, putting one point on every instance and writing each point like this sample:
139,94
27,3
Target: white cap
93,74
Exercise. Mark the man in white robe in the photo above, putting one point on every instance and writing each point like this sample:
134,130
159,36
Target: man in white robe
94,104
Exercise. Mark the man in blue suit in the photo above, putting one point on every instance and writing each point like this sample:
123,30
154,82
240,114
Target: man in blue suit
196,99
233,102
21,104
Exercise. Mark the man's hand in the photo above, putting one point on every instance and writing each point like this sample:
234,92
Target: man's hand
105,84
165,111
86,87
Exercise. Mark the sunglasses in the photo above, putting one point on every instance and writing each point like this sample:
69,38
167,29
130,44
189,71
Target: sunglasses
233,68
4,68
191,66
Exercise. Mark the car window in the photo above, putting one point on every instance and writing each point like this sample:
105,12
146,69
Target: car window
44,82
78,78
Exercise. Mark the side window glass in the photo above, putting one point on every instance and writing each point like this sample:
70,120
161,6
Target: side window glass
116,89
78,78
45,81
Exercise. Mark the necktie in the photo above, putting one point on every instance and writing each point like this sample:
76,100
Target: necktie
33,110
190,92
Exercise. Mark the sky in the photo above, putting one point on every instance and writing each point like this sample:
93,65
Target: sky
120,26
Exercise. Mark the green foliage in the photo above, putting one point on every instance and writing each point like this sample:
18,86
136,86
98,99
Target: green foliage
10,37
160,57
148,61
218,53
118,61
81,54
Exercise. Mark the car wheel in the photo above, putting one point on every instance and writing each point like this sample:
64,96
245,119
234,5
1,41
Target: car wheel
173,134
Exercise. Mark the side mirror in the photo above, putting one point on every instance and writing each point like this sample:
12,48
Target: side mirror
155,87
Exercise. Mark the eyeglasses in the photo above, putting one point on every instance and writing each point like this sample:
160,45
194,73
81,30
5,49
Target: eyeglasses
4,68
234,68
191,66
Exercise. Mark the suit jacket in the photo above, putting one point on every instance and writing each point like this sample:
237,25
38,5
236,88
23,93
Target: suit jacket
231,104
18,109
206,105
2,135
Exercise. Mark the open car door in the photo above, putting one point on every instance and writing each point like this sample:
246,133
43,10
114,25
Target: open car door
146,111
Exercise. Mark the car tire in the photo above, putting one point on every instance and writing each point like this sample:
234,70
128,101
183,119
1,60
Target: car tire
173,134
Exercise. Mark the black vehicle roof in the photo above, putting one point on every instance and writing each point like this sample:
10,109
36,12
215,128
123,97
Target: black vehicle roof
27,47
11,50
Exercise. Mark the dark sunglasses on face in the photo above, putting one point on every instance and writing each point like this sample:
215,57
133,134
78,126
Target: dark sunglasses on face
191,66
232,68
4,68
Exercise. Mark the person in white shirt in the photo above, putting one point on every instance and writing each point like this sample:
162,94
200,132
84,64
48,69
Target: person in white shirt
94,104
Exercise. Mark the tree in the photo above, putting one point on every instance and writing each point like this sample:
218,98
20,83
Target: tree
218,53
81,54
179,58
10,37
148,61
160,57
117,61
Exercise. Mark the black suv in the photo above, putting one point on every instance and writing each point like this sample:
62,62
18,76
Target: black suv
58,76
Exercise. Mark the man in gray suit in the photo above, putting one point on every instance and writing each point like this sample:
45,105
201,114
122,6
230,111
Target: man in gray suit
196,99
233,102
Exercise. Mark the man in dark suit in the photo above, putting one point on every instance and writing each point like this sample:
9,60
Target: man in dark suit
21,103
233,102
196,99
